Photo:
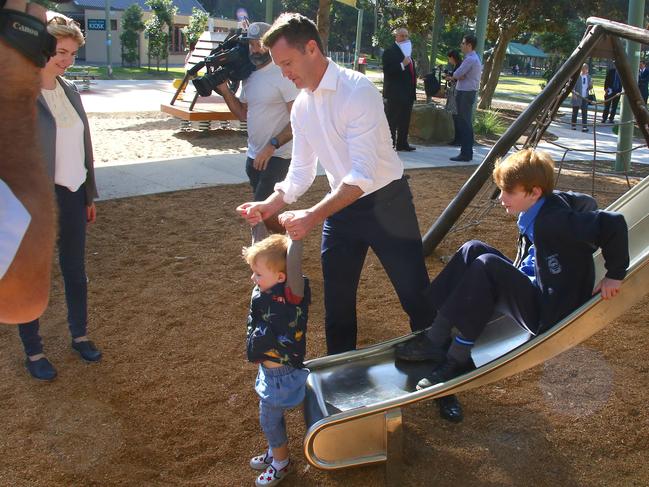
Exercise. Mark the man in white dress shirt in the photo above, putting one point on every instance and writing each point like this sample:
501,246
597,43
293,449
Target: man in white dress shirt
265,102
338,119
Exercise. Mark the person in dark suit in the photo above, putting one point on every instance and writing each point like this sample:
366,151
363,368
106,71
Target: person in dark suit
643,81
612,87
399,88
67,153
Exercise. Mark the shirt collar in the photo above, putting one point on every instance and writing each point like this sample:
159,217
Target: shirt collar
329,80
526,218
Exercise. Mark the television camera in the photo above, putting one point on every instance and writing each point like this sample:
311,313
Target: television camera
227,62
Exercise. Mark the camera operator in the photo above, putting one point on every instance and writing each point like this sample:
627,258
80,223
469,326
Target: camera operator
26,199
265,102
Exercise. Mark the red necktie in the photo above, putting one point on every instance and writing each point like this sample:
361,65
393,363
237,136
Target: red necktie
412,73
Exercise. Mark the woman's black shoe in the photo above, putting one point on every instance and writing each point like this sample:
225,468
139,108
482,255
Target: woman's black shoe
87,350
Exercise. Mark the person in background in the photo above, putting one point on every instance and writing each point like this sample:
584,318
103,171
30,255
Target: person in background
643,80
580,98
467,76
454,61
612,87
399,88
67,151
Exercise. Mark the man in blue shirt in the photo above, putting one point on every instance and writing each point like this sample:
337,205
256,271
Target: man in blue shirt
467,76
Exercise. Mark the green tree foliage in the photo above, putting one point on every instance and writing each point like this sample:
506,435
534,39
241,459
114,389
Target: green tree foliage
508,19
158,28
132,25
197,25
343,23
417,16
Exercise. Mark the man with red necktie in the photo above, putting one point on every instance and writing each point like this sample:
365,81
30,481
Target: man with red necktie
399,88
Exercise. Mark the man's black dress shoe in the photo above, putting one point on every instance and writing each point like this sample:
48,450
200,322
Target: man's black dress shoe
41,369
406,148
461,158
419,349
445,372
87,350
450,409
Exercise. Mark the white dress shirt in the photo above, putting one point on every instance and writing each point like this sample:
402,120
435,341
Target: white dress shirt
342,124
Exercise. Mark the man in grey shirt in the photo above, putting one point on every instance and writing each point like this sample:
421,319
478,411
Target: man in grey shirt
265,101
468,82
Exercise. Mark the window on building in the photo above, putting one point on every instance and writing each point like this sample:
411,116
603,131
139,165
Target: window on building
177,40
113,24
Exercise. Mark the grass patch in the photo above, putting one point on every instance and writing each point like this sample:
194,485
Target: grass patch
119,72
489,122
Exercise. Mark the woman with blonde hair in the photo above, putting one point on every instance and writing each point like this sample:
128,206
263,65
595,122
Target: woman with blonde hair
67,153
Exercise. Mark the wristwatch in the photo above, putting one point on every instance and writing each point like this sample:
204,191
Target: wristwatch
275,143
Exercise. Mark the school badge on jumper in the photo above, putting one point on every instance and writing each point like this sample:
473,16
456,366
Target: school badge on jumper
553,264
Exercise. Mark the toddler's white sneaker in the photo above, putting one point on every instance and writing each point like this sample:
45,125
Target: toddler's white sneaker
262,461
271,476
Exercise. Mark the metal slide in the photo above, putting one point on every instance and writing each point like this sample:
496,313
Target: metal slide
354,400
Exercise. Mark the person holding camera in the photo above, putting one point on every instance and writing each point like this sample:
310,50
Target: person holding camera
26,201
265,103
67,152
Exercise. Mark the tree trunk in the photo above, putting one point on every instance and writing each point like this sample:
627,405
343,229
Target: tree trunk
421,56
322,21
500,49
486,71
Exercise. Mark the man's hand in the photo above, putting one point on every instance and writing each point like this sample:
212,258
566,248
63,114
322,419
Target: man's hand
222,88
261,161
609,288
406,61
298,223
252,212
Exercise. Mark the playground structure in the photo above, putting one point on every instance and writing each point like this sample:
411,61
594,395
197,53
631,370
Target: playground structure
357,396
601,38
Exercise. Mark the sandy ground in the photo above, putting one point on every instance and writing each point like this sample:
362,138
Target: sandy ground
154,135
172,402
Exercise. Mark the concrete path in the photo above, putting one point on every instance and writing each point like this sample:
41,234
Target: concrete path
120,179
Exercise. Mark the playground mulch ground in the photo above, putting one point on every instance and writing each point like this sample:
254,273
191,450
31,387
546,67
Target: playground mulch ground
172,402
